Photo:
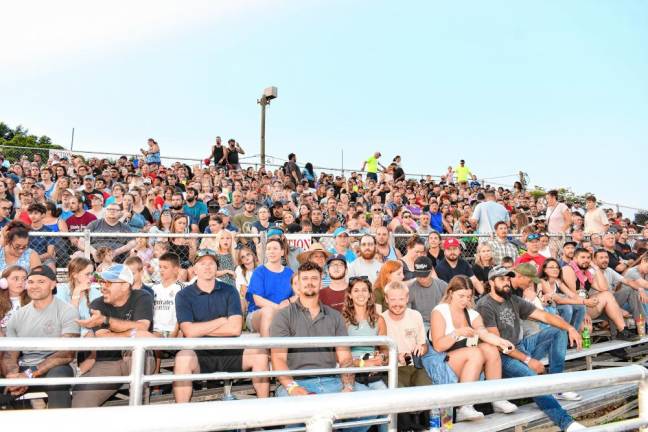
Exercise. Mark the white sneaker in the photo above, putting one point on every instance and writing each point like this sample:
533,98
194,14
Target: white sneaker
504,406
569,396
468,412
575,426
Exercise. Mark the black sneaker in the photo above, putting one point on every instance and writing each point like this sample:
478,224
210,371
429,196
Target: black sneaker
627,335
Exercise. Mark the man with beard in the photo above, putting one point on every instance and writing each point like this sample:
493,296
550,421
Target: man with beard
334,295
628,293
503,313
177,203
194,208
452,265
567,253
46,316
309,317
384,250
366,264
427,290
580,277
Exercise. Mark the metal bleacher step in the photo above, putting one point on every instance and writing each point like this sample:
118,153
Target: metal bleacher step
528,414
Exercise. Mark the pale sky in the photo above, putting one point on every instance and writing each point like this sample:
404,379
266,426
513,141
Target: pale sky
555,89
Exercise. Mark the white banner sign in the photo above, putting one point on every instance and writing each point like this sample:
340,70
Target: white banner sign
302,241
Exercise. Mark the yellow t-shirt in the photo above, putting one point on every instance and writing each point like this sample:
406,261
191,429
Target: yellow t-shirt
462,173
372,165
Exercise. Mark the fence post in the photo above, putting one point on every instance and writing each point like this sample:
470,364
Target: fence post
87,246
137,376
320,423
392,382
263,240
643,402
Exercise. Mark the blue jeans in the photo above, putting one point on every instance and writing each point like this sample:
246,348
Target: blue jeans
553,342
573,314
326,384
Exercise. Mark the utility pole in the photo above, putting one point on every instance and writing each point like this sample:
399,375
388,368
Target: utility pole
72,141
268,94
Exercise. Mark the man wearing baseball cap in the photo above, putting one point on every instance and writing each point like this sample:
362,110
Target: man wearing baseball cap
453,265
532,254
211,308
427,290
45,316
334,295
503,313
120,312
341,246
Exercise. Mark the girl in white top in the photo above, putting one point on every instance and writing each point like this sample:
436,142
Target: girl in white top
456,329
13,294
248,261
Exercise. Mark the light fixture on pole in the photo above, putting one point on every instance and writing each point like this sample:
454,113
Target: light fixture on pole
269,93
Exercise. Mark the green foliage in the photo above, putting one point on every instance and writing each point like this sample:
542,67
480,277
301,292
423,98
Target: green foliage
20,137
641,217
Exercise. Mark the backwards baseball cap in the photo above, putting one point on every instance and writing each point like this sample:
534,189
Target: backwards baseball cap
274,231
338,257
450,243
422,266
570,242
116,273
500,271
43,270
88,177
205,253
224,211
528,270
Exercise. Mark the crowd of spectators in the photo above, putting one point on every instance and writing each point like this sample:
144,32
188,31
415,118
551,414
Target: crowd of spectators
376,265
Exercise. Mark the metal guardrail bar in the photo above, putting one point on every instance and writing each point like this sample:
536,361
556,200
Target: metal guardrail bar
139,346
317,409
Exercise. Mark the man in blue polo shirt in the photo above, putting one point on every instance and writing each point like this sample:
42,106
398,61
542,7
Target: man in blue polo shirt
210,308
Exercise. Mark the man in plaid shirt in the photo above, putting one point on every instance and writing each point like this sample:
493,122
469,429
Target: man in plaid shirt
500,245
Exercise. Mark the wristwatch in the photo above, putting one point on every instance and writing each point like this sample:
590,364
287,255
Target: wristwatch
106,322
527,360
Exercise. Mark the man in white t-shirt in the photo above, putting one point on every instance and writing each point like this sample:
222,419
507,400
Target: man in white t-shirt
165,323
595,219
366,264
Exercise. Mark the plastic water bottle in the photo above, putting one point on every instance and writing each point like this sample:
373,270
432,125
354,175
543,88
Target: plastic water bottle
435,420
587,341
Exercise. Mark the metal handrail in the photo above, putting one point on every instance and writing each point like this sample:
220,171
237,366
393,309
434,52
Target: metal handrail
319,411
139,346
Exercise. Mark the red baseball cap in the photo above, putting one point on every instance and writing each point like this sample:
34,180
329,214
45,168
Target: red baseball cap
450,242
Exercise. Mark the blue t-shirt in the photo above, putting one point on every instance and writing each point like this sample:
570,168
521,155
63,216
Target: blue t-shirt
194,305
487,214
436,221
195,212
269,285
40,244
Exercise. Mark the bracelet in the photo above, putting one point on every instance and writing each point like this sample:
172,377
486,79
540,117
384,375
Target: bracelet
292,386
527,360
133,333
29,373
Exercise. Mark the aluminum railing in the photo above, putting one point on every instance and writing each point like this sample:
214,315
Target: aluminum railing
138,347
319,412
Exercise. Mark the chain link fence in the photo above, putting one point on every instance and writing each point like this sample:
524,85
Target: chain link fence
58,248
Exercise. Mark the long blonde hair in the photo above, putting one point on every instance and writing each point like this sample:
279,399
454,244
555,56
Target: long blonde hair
478,259
232,250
